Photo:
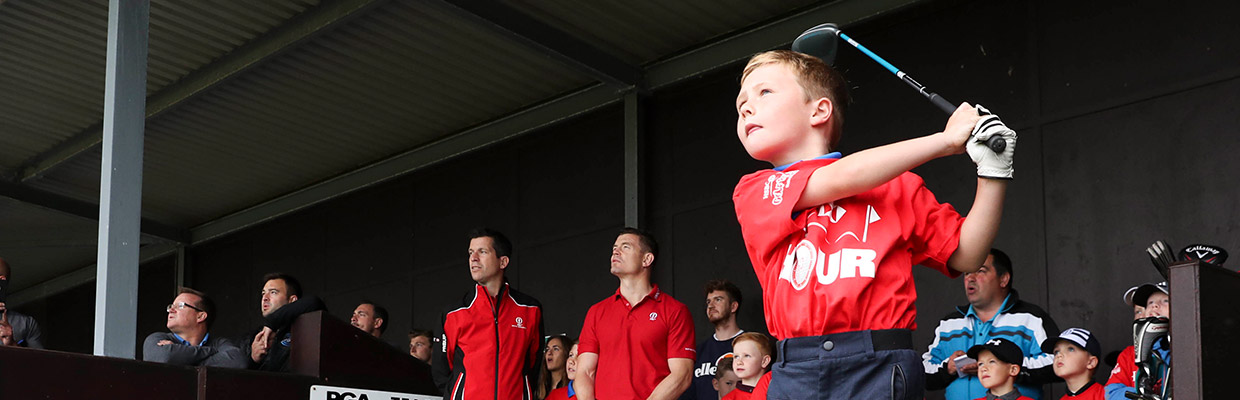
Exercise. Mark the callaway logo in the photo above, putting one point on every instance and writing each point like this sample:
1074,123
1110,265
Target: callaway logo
654,315
775,185
520,323
1202,252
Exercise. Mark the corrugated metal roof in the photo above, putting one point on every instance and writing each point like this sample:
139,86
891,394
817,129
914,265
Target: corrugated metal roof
38,243
53,56
645,30
401,76
380,81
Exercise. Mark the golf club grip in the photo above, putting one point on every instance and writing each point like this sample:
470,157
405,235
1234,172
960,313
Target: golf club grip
995,143
943,104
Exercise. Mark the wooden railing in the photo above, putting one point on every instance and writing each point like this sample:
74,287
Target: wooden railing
325,351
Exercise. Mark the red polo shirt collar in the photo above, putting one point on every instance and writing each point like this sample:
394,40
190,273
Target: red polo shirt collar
654,294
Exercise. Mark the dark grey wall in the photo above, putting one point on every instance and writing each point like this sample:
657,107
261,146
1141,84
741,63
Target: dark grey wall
1124,109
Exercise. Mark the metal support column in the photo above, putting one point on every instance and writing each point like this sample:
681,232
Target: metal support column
120,180
634,168
179,271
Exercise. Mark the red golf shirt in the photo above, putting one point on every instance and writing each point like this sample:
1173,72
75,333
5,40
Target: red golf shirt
634,342
846,265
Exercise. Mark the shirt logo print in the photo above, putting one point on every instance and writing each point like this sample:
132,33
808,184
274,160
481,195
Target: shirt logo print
520,323
654,315
775,185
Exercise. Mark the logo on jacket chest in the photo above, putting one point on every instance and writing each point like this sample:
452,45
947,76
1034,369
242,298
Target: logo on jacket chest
805,260
520,323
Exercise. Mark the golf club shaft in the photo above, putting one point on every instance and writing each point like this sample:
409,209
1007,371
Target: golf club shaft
995,142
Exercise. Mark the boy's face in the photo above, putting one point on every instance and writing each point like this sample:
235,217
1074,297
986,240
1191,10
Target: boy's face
726,384
993,372
1138,312
1158,305
1072,360
773,116
570,365
748,361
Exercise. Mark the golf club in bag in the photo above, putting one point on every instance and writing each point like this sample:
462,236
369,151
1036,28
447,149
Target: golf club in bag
1150,366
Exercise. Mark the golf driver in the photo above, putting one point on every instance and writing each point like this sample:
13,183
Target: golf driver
820,41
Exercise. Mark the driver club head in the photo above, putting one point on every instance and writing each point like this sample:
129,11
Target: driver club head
820,41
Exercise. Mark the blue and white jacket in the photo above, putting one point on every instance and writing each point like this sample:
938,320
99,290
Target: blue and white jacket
1022,323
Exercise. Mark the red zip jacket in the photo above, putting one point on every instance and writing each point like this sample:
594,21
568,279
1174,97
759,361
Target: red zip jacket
489,347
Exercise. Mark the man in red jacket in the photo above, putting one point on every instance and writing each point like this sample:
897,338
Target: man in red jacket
490,341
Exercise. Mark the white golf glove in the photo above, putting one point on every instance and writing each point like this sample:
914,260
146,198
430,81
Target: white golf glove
991,164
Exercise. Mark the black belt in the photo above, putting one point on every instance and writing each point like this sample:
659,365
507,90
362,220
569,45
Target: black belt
886,339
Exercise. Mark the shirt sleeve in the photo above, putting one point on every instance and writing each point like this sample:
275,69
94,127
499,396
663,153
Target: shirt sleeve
34,336
173,353
588,343
227,355
441,369
283,317
764,203
1040,365
935,362
1121,376
936,233
680,335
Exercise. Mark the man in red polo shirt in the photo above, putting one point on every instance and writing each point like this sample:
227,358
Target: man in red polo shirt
637,343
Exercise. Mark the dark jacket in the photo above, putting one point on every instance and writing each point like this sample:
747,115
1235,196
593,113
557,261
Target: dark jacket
281,321
212,352
25,330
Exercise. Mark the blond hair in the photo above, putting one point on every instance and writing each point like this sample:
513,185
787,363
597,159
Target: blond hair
817,79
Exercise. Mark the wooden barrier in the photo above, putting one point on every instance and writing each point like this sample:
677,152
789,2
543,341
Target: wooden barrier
45,374
343,355
325,351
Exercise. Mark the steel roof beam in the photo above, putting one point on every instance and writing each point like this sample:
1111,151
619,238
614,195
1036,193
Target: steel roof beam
554,42
775,34
296,30
85,209
710,57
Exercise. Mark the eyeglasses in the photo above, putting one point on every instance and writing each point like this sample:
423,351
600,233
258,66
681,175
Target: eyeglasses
181,306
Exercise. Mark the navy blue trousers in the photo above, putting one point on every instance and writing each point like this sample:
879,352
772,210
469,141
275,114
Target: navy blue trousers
847,366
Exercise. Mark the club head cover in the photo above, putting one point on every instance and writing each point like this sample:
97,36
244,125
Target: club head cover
1205,253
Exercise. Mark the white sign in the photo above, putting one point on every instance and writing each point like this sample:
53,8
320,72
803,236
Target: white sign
320,392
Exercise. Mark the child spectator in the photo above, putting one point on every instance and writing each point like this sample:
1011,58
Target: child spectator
1076,357
1157,301
725,378
998,363
751,359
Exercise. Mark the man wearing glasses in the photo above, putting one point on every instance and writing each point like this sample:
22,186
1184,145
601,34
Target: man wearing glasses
188,340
